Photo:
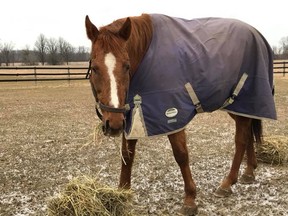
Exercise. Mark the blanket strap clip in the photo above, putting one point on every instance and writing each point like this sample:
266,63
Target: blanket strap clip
137,100
236,91
194,98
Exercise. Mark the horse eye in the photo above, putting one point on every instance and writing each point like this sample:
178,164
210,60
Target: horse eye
95,69
126,66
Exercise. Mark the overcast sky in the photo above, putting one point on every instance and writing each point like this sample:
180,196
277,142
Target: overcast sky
22,21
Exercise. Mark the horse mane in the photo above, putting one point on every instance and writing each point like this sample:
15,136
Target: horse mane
141,34
138,42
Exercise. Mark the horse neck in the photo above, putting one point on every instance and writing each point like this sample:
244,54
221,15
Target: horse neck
139,40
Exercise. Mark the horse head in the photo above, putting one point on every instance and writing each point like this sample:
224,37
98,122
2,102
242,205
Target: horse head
110,69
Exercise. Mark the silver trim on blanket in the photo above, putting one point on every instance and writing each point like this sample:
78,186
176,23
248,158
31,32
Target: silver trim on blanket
138,128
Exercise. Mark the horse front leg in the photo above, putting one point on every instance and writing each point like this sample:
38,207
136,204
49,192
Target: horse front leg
243,141
178,143
128,153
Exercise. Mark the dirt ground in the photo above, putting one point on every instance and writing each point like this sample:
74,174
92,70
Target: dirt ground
46,138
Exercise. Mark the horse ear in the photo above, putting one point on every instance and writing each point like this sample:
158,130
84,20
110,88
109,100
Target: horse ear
91,29
125,30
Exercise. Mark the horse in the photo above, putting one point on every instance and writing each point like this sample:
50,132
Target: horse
229,66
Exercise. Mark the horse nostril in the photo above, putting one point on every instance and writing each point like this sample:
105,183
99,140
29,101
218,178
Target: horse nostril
113,128
124,124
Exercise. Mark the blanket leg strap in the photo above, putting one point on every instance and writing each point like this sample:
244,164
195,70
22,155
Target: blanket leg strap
236,91
194,98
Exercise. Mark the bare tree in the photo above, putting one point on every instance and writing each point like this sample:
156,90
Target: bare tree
284,47
27,57
41,48
52,51
82,53
275,50
7,53
66,50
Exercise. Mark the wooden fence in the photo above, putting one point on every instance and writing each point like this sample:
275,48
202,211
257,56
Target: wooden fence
280,67
50,73
43,73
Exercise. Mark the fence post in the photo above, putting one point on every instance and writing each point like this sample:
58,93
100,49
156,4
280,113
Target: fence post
284,68
35,75
69,75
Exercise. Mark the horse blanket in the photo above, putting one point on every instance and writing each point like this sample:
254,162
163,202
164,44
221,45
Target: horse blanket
199,65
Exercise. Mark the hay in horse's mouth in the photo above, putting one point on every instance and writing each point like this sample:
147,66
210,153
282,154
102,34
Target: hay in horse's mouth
99,139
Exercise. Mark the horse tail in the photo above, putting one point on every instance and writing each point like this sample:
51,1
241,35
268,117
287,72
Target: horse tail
257,130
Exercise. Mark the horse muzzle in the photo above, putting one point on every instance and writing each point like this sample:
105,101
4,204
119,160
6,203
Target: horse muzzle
113,120
112,130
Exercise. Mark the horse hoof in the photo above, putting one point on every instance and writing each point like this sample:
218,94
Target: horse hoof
247,179
189,210
223,192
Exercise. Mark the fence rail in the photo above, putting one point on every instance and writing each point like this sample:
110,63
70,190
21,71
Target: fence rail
50,73
280,67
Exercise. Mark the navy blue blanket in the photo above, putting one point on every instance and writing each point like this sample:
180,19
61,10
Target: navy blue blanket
208,64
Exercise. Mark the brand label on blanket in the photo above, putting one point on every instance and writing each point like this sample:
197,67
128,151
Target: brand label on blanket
171,112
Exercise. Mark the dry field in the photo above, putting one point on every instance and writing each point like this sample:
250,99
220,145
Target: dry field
46,138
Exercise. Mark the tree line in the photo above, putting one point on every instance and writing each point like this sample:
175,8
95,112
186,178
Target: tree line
58,51
281,52
49,51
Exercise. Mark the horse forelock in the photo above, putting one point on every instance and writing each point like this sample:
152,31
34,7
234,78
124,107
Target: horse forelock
108,38
109,42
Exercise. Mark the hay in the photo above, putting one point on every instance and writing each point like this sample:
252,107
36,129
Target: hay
274,150
99,138
85,196
96,137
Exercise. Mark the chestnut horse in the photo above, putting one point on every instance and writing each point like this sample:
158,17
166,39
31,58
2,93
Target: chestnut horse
117,51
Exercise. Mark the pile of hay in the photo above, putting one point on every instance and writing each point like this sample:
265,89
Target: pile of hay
274,150
85,196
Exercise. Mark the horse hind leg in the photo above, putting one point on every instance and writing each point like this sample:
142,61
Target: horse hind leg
243,142
248,176
179,147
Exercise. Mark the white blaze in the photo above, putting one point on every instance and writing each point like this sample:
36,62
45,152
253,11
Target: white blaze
110,62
